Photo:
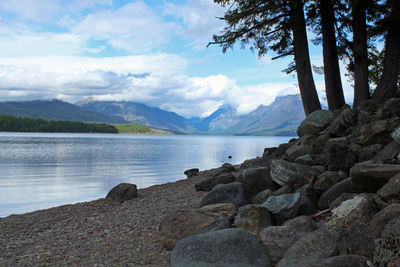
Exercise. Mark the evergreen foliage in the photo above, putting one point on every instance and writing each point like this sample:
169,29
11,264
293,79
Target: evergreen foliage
19,124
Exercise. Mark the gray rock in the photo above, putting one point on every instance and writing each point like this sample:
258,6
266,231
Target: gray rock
191,172
277,240
229,247
315,122
341,153
296,151
283,207
381,218
370,177
339,261
339,200
301,224
388,246
185,223
236,193
261,197
359,209
376,132
257,179
388,153
286,189
391,190
326,180
345,119
123,192
396,135
220,223
334,192
317,245
358,240
369,152
284,172
306,160
209,182
229,210
253,218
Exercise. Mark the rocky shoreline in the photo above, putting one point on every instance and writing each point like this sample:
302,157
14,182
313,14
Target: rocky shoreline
328,198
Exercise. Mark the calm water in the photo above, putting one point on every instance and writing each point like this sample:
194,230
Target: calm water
40,170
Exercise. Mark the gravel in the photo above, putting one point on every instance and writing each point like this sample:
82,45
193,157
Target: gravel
97,233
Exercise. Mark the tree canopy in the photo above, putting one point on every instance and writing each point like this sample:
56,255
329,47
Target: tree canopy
347,29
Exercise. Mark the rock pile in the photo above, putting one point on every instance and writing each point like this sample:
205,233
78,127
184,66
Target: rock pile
328,198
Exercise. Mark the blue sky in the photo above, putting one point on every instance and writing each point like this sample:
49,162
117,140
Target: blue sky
153,52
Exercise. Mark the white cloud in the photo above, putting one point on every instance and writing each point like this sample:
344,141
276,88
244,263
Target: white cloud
199,18
35,10
134,27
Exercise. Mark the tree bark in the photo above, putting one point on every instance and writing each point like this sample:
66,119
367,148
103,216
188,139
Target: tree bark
361,86
387,85
333,82
305,79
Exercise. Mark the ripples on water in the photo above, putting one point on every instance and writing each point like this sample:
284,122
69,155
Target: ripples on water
39,170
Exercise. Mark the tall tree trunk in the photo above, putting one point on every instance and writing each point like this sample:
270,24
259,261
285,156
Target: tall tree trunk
308,92
333,82
387,85
361,86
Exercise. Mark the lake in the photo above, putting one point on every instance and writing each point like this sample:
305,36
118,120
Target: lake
43,170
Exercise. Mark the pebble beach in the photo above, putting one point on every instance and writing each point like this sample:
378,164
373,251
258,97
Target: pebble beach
102,232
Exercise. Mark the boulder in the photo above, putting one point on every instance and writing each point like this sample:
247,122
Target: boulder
236,193
315,122
375,132
229,247
339,200
227,209
306,159
257,179
191,172
380,219
358,240
317,245
123,192
308,200
277,240
396,135
261,197
318,145
390,109
284,172
345,119
185,223
359,209
283,207
327,179
341,153
370,177
209,182
391,190
253,218
388,246
296,151
388,153
369,152
286,189
339,261
254,163
301,224
334,192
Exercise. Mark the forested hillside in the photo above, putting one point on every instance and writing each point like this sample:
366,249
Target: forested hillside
18,124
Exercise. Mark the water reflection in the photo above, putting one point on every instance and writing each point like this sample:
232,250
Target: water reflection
45,170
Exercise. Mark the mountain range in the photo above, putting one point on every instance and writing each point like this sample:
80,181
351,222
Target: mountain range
279,118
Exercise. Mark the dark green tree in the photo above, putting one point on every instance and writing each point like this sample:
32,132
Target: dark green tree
272,25
390,27
321,17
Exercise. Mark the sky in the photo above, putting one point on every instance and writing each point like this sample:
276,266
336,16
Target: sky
152,52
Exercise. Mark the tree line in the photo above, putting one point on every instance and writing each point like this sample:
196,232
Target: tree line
19,124
348,30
